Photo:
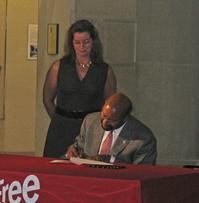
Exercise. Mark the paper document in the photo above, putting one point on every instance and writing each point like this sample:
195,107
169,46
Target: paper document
79,161
59,161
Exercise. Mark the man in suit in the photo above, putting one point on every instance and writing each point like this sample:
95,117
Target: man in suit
113,135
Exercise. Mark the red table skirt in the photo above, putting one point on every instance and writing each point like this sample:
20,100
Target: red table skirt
71,183
60,189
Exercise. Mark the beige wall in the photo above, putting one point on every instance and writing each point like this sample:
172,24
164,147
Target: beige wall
167,76
50,11
20,91
2,66
2,56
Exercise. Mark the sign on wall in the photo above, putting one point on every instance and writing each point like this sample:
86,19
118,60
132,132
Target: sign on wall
32,41
53,38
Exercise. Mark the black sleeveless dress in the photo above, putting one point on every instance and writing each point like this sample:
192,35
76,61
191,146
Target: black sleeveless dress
74,95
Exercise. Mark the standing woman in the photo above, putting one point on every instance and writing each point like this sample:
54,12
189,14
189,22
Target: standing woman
80,82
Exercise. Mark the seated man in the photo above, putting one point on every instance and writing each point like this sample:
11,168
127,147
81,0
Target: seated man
113,135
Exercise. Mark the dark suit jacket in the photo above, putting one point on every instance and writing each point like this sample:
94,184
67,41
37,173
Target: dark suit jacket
135,143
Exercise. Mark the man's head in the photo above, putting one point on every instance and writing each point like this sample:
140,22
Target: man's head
115,111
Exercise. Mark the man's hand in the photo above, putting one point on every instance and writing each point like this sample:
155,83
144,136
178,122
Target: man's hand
72,152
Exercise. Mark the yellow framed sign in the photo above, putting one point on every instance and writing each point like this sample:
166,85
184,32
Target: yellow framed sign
53,38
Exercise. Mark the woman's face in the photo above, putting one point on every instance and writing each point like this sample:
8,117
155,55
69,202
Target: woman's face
82,43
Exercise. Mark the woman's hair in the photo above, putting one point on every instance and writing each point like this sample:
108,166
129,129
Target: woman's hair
84,26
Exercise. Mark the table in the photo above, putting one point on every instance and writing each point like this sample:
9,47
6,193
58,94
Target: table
35,179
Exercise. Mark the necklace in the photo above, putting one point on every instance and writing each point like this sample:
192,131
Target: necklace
84,65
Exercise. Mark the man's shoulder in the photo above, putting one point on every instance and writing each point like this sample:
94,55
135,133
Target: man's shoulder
92,117
139,128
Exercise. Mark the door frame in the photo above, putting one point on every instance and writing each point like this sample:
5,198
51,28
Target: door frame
3,11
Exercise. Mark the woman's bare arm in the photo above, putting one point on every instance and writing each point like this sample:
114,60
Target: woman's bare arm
111,84
50,88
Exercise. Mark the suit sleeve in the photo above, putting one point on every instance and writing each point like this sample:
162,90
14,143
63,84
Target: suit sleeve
147,153
80,139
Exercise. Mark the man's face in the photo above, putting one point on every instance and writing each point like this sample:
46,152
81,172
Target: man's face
111,118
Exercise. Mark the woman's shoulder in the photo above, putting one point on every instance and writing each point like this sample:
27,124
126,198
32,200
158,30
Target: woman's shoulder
102,65
92,117
55,65
66,60
65,65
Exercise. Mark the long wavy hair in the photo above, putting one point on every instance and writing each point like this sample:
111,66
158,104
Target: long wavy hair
84,26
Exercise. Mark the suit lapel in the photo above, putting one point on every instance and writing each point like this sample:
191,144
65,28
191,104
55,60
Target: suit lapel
98,135
122,140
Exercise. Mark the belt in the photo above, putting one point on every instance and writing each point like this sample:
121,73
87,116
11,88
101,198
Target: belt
74,114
